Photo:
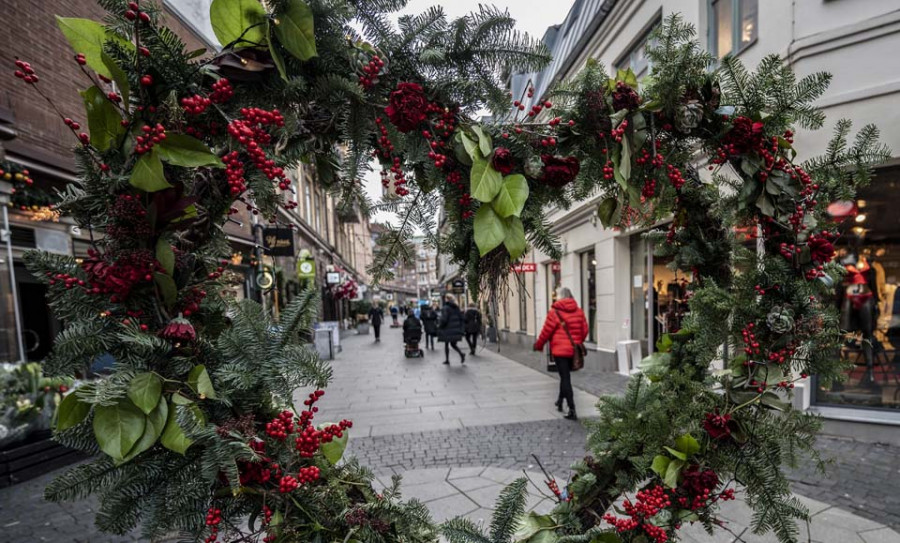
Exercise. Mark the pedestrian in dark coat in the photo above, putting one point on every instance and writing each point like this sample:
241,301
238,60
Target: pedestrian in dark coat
376,315
473,327
563,315
451,328
430,321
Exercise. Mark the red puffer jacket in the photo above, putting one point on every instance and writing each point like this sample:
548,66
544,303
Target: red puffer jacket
554,333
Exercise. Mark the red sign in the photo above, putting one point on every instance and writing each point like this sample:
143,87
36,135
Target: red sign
554,267
525,267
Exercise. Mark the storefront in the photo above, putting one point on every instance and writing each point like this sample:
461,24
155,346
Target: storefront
867,299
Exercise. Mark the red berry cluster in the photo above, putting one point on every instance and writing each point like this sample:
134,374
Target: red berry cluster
554,487
385,152
152,136
751,346
25,72
213,518
745,136
370,72
308,475
67,280
222,91
128,219
250,131
287,484
281,426
134,12
234,173
617,133
647,504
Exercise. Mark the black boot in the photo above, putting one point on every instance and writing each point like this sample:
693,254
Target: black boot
571,414
463,359
446,362
558,405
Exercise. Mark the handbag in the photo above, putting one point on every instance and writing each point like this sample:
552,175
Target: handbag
579,351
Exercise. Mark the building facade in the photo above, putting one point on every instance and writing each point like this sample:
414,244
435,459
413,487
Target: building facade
626,292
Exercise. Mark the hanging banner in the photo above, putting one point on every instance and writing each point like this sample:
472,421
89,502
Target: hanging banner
554,267
278,241
524,267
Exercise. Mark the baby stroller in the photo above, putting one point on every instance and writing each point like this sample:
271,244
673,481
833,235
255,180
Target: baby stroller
412,335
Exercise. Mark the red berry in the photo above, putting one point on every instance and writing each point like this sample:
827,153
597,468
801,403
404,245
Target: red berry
147,80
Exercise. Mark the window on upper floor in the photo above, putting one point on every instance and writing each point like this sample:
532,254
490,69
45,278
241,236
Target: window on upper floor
733,26
636,57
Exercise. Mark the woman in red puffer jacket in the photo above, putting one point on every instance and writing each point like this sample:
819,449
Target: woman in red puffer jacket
561,348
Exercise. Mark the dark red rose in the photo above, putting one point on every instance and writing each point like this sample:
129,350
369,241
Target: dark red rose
821,250
697,482
407,106
625,97
717,426
559,171
179,329
503,160
745,135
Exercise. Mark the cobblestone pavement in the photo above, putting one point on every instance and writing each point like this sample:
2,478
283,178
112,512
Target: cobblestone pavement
416,414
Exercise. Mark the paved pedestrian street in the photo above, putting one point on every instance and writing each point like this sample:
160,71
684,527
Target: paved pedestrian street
457,434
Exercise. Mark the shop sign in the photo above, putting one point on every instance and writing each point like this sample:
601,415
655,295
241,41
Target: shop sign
333,278
265,279
278,241
525,267
306,269
459,286
554,267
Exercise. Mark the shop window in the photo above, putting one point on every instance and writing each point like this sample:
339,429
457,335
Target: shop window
658,301
733,26
589,291
867,299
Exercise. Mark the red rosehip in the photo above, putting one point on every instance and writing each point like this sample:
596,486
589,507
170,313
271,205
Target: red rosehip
147,80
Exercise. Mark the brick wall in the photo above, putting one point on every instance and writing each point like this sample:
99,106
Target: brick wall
30,32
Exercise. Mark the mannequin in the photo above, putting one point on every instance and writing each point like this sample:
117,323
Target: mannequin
860,306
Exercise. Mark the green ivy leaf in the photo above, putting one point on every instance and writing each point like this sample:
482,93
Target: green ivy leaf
156,422
118,75
118,427
200,382
673,472
676,453
71,411
179,399
165,255
333,451
173,436
147,174
687,444
144,391
230,18
87,37
167,288
484,140
294,29
187,151
471,152
104,120
485,180
512,196
660,465
276,54
608,211
490,229
515,238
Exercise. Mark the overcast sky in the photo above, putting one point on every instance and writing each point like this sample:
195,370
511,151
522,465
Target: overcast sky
532,16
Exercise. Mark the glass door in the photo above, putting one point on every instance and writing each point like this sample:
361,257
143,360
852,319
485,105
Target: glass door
589,292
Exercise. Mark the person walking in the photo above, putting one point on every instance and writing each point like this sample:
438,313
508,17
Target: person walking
451,327
394,313
564,319
376,315
430,322
473,327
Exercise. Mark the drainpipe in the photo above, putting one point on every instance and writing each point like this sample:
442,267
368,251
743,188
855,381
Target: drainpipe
5,238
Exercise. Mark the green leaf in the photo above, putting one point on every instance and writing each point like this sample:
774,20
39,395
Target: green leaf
607,537
687,444
187,151
608,211
485,180
276,55
676,453
660,465
333,451
484,140
200,382
144,391
512,196
167,288
179,399
71,411
87,37
118,427
147,174
664,343
765,205
165,255
156,422
470,146
625,158
673,472
515,238
490,229
118,75
230,18
770,399
104,120
294,29
534,528
173,437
